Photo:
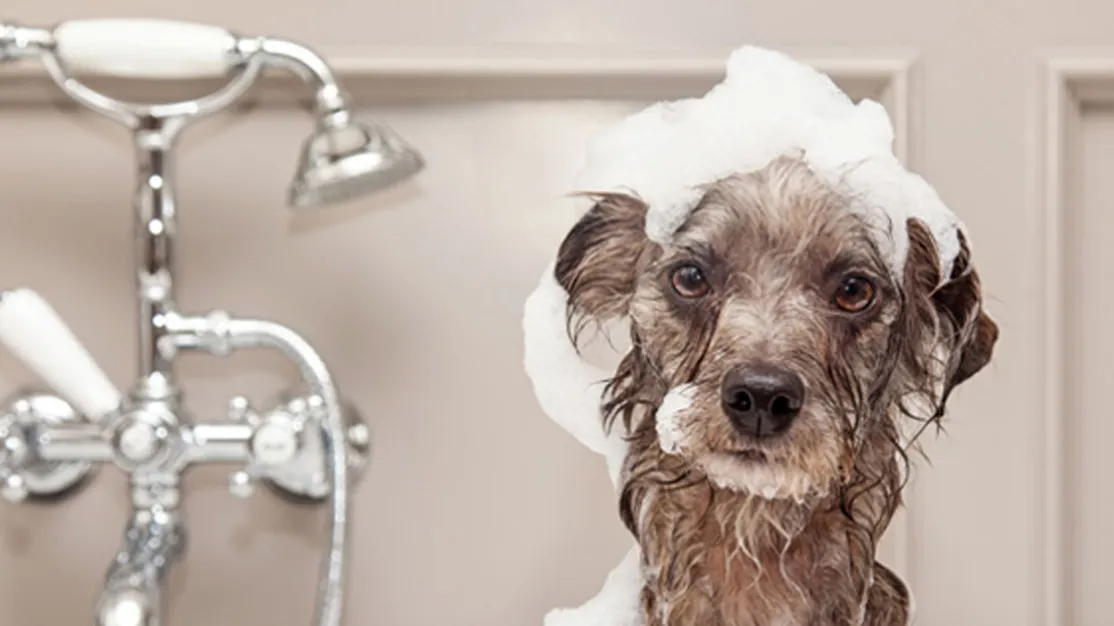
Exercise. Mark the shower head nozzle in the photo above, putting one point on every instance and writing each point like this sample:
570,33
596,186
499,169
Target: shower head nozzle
339,164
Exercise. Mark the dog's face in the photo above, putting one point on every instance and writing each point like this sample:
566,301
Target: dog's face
772,310
768,303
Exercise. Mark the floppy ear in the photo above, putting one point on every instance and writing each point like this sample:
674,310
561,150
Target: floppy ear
977,333
962,322
597,261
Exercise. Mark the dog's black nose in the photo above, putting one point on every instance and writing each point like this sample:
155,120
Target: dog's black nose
762,400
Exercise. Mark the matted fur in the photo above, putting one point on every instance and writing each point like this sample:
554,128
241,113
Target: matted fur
737,532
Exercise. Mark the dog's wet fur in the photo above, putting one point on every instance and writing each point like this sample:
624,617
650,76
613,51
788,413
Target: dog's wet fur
745,524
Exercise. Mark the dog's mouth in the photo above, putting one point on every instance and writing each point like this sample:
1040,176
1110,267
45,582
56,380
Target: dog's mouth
749,455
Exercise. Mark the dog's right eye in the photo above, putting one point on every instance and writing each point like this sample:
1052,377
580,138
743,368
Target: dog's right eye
689,281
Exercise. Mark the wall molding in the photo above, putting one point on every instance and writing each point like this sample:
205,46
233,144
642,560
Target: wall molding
393,75
378,76
1071,81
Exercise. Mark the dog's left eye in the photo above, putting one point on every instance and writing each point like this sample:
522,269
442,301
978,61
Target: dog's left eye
855,294
689,281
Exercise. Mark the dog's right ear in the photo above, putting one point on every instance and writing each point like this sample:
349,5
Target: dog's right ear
597,261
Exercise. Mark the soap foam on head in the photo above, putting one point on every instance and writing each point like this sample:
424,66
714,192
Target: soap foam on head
768,106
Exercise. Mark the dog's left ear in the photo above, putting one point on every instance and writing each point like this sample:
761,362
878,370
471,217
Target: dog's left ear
961,319
976,332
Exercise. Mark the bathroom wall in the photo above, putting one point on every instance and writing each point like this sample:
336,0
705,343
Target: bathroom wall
476,509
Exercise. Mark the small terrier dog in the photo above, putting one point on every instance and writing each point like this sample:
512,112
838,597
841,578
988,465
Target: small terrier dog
800,362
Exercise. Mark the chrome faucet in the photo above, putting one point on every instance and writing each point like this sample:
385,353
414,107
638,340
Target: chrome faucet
309,443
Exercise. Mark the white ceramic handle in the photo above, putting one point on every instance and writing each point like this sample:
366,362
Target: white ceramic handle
34,332
144,48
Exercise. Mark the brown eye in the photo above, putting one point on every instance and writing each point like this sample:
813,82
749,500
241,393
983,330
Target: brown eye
689,281
855,294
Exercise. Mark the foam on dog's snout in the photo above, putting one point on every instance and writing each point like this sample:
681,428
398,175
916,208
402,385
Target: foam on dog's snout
669,418
768,106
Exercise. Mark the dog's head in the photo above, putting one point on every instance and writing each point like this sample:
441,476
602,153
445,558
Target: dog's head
773,313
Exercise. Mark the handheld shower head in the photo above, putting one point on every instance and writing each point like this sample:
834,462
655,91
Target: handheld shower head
340,163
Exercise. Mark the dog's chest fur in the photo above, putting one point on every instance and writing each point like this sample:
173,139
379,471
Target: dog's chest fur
718,558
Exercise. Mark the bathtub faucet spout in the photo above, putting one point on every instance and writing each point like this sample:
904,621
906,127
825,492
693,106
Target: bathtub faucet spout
152,543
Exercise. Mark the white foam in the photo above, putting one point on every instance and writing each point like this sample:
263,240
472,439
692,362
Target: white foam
768,105
568,389
616,604
669,416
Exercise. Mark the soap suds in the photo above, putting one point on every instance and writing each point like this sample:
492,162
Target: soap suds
669,418
568,389
616,604
768,105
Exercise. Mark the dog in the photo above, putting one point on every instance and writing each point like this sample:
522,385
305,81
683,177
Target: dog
776,365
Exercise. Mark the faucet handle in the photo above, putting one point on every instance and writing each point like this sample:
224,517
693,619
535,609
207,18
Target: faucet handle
34,332
24,470
289,447
276,445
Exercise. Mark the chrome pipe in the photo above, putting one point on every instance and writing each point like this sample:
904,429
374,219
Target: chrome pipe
219,443
330,102
76,441
155,230
79,441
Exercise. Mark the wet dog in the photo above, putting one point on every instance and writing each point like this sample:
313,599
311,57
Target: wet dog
776,366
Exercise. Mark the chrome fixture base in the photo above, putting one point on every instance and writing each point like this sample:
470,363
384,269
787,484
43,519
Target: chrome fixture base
308,444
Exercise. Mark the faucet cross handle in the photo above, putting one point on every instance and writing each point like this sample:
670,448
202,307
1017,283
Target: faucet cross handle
287,447
31,426
277,439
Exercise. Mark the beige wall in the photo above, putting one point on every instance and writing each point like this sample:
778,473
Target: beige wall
477,510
